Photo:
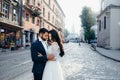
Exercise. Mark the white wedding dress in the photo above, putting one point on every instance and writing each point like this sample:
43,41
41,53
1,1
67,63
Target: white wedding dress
53,69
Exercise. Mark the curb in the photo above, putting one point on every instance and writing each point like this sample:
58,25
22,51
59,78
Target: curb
107,56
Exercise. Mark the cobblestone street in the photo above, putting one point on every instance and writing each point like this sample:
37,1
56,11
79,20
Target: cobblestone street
79,63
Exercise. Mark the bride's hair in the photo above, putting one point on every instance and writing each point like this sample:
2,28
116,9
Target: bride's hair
56,38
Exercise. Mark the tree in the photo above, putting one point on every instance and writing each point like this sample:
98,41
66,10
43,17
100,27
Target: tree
87,20
92,34
66,32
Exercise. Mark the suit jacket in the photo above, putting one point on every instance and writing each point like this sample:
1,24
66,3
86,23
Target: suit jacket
38,62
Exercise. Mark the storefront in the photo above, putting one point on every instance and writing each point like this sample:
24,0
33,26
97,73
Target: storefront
10,36
29,37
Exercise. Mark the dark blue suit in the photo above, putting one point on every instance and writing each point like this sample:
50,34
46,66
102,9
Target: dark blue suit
38,62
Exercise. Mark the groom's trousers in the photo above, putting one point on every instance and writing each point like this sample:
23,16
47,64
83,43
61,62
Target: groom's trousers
37,76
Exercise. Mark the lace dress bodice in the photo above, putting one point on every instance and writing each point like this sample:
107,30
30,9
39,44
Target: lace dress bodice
54,49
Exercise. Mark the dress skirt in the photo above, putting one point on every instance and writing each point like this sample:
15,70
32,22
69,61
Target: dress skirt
52,71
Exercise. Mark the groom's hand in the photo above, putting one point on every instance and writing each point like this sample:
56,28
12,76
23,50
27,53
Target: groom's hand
50,56
39,55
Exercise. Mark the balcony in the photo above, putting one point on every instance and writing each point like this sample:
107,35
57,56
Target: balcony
34,10
9,22
1,13
14,2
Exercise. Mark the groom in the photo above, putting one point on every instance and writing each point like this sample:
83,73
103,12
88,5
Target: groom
40,46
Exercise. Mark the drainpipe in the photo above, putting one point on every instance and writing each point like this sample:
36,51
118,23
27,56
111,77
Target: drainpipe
21,13
21,22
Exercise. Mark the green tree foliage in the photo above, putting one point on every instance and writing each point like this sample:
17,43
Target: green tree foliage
66,32
88,20
92,34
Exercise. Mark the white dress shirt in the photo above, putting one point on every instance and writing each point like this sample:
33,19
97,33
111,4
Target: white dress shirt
44,43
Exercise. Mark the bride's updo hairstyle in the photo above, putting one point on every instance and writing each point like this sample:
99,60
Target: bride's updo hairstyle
56,38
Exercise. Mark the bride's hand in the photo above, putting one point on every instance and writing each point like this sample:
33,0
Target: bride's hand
53,59
39,54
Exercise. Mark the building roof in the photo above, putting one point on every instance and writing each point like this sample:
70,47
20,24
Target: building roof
109,7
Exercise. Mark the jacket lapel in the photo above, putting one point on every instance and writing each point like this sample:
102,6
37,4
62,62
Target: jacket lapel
40,44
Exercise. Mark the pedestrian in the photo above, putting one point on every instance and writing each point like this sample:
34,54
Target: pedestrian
79,43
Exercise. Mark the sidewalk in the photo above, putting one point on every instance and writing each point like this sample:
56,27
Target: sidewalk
7,51
112,54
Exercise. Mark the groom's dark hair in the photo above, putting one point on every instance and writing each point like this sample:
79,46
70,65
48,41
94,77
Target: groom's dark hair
43,30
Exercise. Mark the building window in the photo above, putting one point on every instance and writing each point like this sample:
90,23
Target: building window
53,7
16,0
31,37
49,2
53,19
48,15
44,12
43,24
28,1
6,10
26,37
105,22
33,2
33,20
38,22
48,27
38,3
100,25
15,15
27,17
23,14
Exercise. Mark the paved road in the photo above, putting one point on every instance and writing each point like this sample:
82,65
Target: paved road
17,64
79,63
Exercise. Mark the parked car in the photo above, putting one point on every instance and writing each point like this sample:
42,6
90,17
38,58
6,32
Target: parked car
66,41
76,40
93,41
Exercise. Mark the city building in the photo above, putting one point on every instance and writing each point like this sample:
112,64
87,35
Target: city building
20,20
41,14
10,23
31,20
108,22
53,16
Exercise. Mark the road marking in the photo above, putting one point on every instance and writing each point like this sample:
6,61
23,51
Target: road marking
22,63
66,50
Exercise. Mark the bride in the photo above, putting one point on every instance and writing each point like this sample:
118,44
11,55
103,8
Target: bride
53,69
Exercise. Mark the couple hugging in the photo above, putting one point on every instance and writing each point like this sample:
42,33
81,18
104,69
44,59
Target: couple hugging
45,53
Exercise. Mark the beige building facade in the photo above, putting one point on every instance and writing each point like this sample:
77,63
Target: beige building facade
20,20
108,22
10,24
52,16
41,14
31,20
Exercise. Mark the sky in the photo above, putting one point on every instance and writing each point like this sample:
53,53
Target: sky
72,10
